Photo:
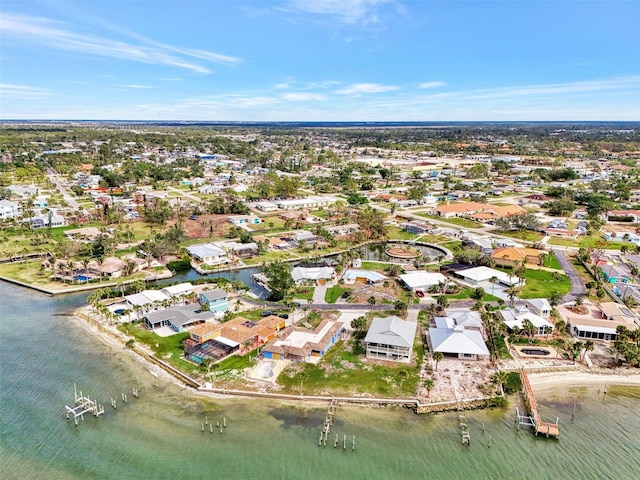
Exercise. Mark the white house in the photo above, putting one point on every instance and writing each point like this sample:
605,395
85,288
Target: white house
481,276
390,338
9,209
458,342
207,253
317,275
422,280
354,275
515,317
178,290
267,206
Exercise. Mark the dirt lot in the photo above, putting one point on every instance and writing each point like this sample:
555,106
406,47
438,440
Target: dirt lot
206,226
361,292
611,227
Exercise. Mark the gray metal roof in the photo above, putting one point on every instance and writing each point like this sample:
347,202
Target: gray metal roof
215,294
391,331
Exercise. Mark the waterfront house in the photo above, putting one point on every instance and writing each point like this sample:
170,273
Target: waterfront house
353,275
180,290
458,342
207,253
422,280
178,318
514,319
417,227
540,306
600,323
312,275
216,300
300,344
146,300
469,319
342,230
390,338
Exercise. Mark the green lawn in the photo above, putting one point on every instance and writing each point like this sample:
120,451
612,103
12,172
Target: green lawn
304,293
526,235
341,372
461,222
399,234
588,241
550,261
379,266
541,284
168,349
451,245
334,293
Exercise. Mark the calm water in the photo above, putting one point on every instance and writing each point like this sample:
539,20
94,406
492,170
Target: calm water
158,435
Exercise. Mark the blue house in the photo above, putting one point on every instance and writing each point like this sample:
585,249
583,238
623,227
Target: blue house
614,274
216,300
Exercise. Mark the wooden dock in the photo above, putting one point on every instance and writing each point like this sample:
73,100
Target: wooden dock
533,419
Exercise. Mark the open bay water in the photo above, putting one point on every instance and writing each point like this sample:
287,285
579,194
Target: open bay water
158,436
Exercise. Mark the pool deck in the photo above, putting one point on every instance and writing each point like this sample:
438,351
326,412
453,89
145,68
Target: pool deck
554,354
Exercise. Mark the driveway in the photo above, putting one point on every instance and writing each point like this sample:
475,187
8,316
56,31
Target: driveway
577,285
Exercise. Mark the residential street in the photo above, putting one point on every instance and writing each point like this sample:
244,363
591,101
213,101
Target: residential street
577,285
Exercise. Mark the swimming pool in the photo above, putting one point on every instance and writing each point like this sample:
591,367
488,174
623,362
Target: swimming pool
535,351
82,278
266,370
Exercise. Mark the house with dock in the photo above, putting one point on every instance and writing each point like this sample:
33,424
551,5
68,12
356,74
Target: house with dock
390,338
456,341
208,253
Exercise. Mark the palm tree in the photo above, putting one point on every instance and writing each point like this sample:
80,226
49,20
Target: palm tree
493,281
428,385
437,357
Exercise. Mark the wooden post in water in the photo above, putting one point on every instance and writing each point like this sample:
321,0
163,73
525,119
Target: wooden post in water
354,443
335,443
202,426
344,442
489,445
224,422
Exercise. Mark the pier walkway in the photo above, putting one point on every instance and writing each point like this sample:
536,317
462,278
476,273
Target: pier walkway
539,427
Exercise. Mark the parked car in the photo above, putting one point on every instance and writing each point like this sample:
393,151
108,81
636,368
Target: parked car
283,315
266,313
420,293
345,295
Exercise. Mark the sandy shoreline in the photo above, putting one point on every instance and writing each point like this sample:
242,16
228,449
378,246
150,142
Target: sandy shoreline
553,380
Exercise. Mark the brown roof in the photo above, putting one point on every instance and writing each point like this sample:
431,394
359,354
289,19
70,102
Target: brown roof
515,254
461,207
241,329
205,329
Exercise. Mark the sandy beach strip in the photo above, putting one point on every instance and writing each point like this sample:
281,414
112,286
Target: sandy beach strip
544,381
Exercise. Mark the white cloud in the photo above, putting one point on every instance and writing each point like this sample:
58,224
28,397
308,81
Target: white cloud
22,92
360,88
134,85
346,12
304,97
432,84
45,31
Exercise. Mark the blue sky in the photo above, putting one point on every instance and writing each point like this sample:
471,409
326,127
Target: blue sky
320,60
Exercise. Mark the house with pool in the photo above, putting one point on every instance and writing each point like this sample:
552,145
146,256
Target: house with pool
514,319
302,345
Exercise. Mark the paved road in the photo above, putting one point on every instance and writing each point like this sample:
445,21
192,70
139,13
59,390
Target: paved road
577,285
61,186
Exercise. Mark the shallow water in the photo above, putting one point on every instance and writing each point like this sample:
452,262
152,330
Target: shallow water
159,435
